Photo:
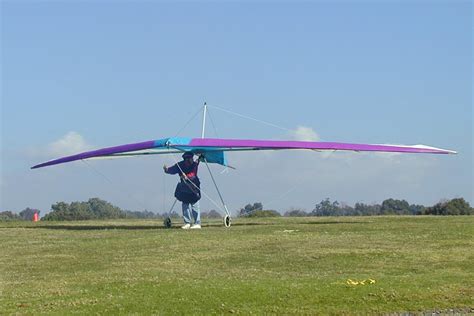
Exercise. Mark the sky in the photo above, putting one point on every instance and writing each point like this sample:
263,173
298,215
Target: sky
84,75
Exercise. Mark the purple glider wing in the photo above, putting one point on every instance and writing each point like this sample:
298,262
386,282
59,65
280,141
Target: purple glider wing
216,147
249,144
103,152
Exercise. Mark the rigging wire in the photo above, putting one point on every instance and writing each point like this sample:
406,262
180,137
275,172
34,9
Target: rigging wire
283,195
192,118
279,197
250,118
266,123
164,193
177,134
168,200
119,190
204,193
212,123
175,160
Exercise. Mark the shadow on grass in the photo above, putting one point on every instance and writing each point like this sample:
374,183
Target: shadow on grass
160,226
132,227
329,223
98,227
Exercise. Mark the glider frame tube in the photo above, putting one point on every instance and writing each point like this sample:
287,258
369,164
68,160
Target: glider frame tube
227,219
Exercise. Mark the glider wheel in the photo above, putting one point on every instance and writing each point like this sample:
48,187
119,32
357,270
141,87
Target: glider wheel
227,221
167,222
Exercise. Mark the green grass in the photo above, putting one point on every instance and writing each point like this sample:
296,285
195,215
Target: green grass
261,266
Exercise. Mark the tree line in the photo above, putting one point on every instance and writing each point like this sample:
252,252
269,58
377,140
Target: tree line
326,207
96,209
93,209
25,215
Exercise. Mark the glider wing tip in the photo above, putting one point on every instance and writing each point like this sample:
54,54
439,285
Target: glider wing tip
41,165
449,151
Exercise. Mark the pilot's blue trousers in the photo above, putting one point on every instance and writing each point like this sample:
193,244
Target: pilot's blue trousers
194,210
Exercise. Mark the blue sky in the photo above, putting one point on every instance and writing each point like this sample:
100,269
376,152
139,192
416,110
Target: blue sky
86,75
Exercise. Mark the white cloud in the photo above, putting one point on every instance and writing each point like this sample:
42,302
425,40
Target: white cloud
71,143
304,133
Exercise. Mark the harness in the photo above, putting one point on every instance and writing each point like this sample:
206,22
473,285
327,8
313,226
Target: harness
188,190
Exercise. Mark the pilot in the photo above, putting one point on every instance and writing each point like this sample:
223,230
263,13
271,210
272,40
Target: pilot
188,189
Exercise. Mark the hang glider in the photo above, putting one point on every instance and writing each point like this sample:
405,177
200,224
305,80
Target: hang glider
213,149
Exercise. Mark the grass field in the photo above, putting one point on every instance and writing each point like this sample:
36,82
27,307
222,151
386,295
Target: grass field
278,265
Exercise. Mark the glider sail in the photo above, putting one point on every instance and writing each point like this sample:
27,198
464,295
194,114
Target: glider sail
213,149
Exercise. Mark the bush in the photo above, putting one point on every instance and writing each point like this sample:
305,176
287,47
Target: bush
264,213
211,214
28,213
249,208
457,206
94,208
9,216
296,213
